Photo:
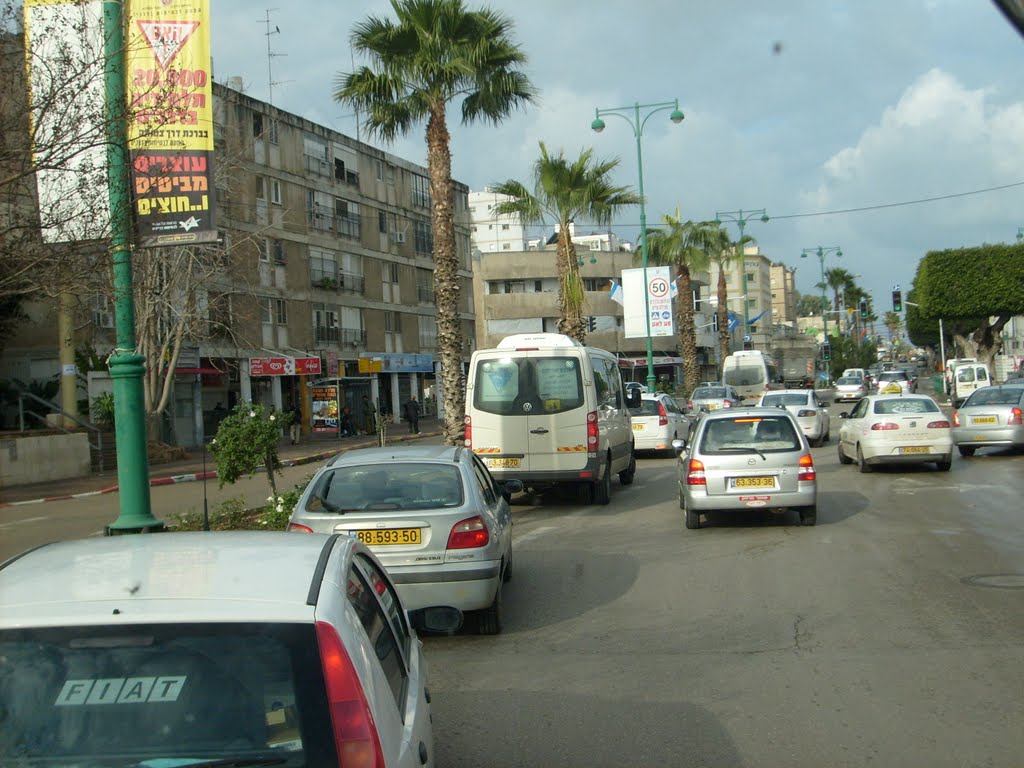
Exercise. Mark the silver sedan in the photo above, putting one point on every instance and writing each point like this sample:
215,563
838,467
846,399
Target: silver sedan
991,417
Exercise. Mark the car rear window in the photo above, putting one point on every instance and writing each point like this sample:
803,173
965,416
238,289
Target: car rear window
850,380
709,393
521,386
749,434
892,376
395,486
787,398
994,396
905,405
162,694
646,408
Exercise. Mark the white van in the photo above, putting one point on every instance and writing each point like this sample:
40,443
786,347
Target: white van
546,410
966,378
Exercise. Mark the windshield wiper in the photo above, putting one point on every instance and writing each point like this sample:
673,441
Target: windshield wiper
228,762
743,449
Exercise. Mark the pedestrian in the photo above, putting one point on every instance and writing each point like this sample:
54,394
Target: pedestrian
369,416
295,429
412,415
348,427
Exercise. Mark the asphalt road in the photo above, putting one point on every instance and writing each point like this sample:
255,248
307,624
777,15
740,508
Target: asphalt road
889,634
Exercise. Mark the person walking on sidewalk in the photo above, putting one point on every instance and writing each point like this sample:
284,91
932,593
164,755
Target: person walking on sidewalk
369,416
295,429
412,415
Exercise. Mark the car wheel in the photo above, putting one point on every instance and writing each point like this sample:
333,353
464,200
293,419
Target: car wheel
966,450
626,476
862,465
944,466
692,519
489,620
603,488
808,516
843,458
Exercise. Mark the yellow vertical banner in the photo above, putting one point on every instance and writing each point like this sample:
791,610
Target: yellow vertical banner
170,128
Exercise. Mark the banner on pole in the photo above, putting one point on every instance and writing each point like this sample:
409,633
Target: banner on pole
170,130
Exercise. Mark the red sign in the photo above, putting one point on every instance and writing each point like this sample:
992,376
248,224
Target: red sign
284,366
307,365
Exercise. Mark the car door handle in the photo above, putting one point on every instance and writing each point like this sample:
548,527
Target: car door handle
538,431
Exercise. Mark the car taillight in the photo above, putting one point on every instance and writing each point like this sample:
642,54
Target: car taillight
592,432
468,534
695,473
662,415
355,733
689,405
806,468
296,528
941,424
1016,416
727,403
883,425
467,436
806,412
956,418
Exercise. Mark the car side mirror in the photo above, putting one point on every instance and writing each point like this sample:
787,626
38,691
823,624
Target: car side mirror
633,397
844,415
510,487
678,445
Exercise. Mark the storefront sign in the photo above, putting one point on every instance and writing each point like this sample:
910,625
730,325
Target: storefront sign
396,363
284,366
325,408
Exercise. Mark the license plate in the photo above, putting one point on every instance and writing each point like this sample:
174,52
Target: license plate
753,482
983,420
638,426
503,463
914,449
387,536
712,407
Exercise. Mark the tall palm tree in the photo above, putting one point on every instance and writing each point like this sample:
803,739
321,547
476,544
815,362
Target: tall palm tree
724,253
436,53
566,191
837,279
685,246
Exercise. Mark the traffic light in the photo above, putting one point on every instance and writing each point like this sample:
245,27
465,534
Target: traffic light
826,351
863,309
897,301
591,323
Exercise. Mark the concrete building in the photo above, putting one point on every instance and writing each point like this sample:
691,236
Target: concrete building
490,232
784,294
758,297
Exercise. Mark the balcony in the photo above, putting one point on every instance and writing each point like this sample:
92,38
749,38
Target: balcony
348,225
351,283
353,337
324,333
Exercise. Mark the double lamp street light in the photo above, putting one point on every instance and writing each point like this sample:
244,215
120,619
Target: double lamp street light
741,218
821,252
632,116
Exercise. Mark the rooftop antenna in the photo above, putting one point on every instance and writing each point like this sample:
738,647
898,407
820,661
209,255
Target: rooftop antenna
271,82
355,114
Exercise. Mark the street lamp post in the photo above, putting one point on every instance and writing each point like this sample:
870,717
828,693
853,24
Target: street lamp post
632,116
741,218
821,252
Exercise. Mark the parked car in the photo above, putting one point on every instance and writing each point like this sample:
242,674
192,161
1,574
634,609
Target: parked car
713,397
810,412
990,417
850,389
895,383
895,429
431,513
657,422
746,459
228,648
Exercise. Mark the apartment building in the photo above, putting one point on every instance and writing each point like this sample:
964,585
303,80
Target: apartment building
490,232
755,305
784,295
327,275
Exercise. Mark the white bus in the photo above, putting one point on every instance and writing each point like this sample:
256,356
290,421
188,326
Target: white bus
751,373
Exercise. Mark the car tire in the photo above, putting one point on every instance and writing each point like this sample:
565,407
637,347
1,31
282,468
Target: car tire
862,465
489,620
966,450
602,493
808,515
843,458
627,475
692,519
944,466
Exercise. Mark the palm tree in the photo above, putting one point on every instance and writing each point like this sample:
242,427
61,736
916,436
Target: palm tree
838,279
436,53
566,191
685,246
723,252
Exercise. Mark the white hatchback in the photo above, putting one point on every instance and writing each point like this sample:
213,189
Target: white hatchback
811,413
657,421
895,429
229,649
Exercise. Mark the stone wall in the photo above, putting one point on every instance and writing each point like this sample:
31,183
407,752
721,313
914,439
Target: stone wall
28,459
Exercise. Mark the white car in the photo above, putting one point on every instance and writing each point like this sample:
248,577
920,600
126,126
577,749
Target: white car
237,648
895,429
657,421
810,412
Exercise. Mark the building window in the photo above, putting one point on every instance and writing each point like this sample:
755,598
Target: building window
322,267
350,278
273,127
257,125
392,322
102,317
420,191
281,311
326,326
538,286
379,167
425,288
382,222
424,238
347,215
275,191
314,151
428,332
515,286
261,193
595,283
390,272
504,227
279,254
264,249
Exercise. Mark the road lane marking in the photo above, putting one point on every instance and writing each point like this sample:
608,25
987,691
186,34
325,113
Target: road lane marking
21,522
536,532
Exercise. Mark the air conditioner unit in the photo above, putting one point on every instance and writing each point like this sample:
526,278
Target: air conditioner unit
398,237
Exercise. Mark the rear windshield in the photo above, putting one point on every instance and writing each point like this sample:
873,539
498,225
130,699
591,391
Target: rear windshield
521,386
892,376
399,485
709,393
162,695
905,405
850,380
786,398
749,433
995,396
646,408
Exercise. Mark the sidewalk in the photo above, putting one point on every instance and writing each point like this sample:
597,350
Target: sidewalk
312,449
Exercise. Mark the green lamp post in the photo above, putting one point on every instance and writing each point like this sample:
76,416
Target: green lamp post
821,252
632,116
741,218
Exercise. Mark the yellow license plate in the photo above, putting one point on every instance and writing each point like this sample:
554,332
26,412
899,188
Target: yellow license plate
754,482
386,536
638,426
712,407
914,449
984,420
503,463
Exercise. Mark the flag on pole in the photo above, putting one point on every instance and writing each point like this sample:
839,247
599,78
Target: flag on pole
615,293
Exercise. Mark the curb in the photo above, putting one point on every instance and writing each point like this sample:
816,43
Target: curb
192,477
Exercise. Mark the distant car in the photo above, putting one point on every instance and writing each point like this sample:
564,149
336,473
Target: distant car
991,417
895,383
811,414
635,385
432,514
712,398
657,422
750,458
895,429
850,389
227,649
1015,376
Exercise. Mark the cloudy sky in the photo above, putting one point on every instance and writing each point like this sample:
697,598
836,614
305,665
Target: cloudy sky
801,107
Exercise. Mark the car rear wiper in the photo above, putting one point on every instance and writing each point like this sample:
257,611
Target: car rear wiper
743,449
229,762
